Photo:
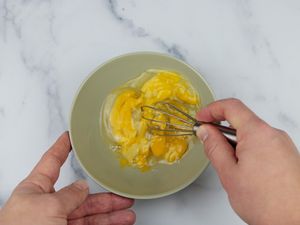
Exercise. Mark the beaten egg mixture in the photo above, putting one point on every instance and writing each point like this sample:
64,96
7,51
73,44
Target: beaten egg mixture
129,131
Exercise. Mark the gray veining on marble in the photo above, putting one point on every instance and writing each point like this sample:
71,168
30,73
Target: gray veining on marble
247,49
8,17
136,31
172,49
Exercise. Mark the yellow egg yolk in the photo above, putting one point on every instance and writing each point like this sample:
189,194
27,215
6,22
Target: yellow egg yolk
130,132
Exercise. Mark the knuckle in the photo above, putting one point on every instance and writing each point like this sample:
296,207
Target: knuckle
54,157
76,188
283,136
281,132
257,129
278,136
235,101
73,188
39,181
275,133
264,127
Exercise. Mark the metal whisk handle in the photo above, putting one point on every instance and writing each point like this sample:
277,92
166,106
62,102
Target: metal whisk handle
228,132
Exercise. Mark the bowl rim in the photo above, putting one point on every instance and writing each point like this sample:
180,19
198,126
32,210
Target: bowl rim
106,187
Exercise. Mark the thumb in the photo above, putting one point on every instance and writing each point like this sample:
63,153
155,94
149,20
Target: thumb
72,196
218,150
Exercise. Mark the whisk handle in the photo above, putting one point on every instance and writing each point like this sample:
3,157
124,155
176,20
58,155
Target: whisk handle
228,132
224,129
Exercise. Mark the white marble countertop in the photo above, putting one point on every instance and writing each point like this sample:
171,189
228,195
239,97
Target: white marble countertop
248,49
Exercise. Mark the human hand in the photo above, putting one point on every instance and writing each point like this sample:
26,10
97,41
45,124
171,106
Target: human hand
262,176
35,202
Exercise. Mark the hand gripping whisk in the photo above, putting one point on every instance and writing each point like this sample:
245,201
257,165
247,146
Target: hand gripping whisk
185,125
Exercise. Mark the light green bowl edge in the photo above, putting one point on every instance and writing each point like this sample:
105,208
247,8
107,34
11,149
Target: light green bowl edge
163,194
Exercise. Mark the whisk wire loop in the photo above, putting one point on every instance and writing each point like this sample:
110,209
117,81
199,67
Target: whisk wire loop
189,126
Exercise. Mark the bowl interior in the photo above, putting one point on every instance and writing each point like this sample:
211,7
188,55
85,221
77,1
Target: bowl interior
93,151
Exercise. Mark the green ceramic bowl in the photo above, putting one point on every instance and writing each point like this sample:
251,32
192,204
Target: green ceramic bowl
93,152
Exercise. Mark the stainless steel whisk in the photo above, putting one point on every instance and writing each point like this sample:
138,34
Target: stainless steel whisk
188,126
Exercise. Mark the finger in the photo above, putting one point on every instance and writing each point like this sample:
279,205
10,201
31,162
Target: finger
218,151
101,203
46,172
232,110
123,217
72,196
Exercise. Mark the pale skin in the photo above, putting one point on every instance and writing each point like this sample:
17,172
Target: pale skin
261,177
35,202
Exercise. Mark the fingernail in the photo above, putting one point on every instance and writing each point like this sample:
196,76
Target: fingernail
81,184
202,133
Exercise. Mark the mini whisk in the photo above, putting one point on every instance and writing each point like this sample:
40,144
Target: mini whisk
185,125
